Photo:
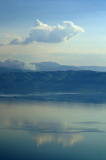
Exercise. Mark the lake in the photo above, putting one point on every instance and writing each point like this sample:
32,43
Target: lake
52,130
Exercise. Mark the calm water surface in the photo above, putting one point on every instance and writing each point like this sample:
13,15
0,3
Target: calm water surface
52,131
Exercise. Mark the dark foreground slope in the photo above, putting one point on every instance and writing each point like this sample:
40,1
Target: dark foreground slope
58,81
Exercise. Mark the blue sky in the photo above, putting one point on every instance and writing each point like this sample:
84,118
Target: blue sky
18,17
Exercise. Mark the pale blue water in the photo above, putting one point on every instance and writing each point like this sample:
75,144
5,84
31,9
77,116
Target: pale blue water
31,130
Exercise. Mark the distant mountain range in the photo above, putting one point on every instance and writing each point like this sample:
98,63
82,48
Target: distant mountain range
15,65
57,81
20,77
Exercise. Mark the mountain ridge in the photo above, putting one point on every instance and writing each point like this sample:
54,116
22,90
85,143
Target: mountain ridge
15,65
57,81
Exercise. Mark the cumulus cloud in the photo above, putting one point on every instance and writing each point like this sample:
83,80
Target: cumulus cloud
29,67
50,34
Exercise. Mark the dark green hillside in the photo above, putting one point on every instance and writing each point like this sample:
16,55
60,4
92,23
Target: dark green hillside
60,81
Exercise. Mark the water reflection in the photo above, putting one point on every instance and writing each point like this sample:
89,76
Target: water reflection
66,140
48,130
58,128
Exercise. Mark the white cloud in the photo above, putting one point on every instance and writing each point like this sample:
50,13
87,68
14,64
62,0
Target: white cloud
50,34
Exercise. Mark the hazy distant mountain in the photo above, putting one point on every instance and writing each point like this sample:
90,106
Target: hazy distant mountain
12,64
15,65
93,68
46,66
53,66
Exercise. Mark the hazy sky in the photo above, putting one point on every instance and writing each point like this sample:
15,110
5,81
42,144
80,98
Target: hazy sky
66,31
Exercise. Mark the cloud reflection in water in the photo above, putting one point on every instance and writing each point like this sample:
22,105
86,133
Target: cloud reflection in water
66,141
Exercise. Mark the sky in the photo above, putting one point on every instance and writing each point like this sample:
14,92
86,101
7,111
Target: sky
71,32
